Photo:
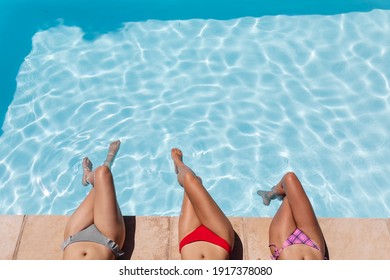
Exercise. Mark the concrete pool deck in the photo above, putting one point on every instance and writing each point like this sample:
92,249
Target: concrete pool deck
39,237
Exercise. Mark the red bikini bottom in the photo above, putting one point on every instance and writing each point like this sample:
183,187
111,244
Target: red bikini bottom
202,233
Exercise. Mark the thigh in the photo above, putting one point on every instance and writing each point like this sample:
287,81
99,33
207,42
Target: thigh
188,221
206,209
302,209
107,215
282,225
82,217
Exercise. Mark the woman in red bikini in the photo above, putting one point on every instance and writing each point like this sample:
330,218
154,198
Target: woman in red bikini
204,230
294,232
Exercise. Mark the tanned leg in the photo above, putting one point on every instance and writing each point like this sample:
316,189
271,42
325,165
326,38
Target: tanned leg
203,205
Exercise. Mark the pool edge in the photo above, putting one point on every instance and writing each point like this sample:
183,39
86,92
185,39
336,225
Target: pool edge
155,238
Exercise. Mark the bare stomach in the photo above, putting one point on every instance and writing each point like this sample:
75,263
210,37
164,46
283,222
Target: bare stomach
202,250
87,251
300,252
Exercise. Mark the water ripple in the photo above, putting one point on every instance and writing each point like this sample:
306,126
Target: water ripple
246,99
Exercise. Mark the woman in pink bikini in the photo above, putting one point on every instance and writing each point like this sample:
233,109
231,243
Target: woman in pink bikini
294,232
204,230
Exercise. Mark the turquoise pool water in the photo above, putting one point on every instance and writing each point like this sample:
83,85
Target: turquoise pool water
246,99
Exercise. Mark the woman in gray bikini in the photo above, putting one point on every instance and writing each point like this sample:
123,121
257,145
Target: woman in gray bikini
96,230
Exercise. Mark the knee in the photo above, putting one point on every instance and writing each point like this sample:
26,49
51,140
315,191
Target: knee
290,176
190,178
102,172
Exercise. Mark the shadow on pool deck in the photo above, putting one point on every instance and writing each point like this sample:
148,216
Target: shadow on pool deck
30,237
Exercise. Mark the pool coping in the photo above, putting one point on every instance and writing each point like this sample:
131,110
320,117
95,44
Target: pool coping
39,237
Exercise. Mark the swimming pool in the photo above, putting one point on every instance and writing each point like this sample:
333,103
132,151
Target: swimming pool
246,98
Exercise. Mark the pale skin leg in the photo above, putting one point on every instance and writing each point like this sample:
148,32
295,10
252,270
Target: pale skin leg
198,206
295,211
100,207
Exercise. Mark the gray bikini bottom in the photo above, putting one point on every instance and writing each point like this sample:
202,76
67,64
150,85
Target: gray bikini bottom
93,234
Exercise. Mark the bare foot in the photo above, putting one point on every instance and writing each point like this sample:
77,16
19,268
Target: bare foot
180,168
266,196
269,195
112,151
87,168
177,157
